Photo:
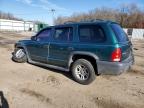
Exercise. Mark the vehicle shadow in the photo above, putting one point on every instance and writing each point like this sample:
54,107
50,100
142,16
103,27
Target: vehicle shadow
3,101
67,74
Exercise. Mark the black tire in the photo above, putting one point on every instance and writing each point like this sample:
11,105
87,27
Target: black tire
22,59
89,69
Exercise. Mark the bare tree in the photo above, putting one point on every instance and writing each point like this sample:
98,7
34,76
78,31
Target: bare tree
9,16
128,15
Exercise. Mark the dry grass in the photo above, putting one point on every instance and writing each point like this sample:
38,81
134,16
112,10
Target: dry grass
110,103
136,70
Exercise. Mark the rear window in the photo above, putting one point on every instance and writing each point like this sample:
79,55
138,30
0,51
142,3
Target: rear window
119,32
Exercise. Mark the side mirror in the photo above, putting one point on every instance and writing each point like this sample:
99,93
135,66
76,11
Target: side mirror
33,38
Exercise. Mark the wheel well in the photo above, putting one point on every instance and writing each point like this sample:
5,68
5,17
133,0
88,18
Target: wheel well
19,47
87,57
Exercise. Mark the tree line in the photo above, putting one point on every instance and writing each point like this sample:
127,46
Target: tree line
127,15
9,16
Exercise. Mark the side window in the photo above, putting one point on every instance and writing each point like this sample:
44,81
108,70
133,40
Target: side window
91,34
44,35
64,34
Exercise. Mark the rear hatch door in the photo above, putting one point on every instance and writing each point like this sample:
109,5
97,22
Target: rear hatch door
122,40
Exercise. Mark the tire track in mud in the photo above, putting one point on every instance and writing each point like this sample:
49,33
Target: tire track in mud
36,95
111,103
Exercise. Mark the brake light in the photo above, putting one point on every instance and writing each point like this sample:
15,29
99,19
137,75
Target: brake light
116,55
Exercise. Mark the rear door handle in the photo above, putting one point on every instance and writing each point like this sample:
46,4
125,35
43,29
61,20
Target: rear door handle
70,48
61,48
45,46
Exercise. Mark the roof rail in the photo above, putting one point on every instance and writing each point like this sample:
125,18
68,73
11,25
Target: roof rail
84,20
91,20
69,22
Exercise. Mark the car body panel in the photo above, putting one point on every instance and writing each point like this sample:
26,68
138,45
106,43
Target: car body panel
59,54
38,51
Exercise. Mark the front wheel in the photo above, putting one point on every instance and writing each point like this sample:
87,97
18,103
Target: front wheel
83,71
19,55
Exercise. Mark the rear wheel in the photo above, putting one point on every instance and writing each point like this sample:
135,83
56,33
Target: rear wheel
19,55
83,71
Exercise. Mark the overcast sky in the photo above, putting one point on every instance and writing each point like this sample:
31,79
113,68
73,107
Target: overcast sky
40,9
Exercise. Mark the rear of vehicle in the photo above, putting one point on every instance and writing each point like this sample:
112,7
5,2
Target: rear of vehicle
121,54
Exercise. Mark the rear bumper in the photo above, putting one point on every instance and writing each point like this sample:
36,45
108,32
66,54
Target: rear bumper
114,68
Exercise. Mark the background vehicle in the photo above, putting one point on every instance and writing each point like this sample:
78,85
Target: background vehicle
86,49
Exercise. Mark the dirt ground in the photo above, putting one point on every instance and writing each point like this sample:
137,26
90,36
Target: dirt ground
29,86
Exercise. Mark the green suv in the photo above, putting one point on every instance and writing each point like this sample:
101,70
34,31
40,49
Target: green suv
85,49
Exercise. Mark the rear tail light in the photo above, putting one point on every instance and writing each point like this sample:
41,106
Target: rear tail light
116,55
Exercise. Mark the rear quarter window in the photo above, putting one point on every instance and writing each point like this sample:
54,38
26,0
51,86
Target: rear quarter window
91,34
119,33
